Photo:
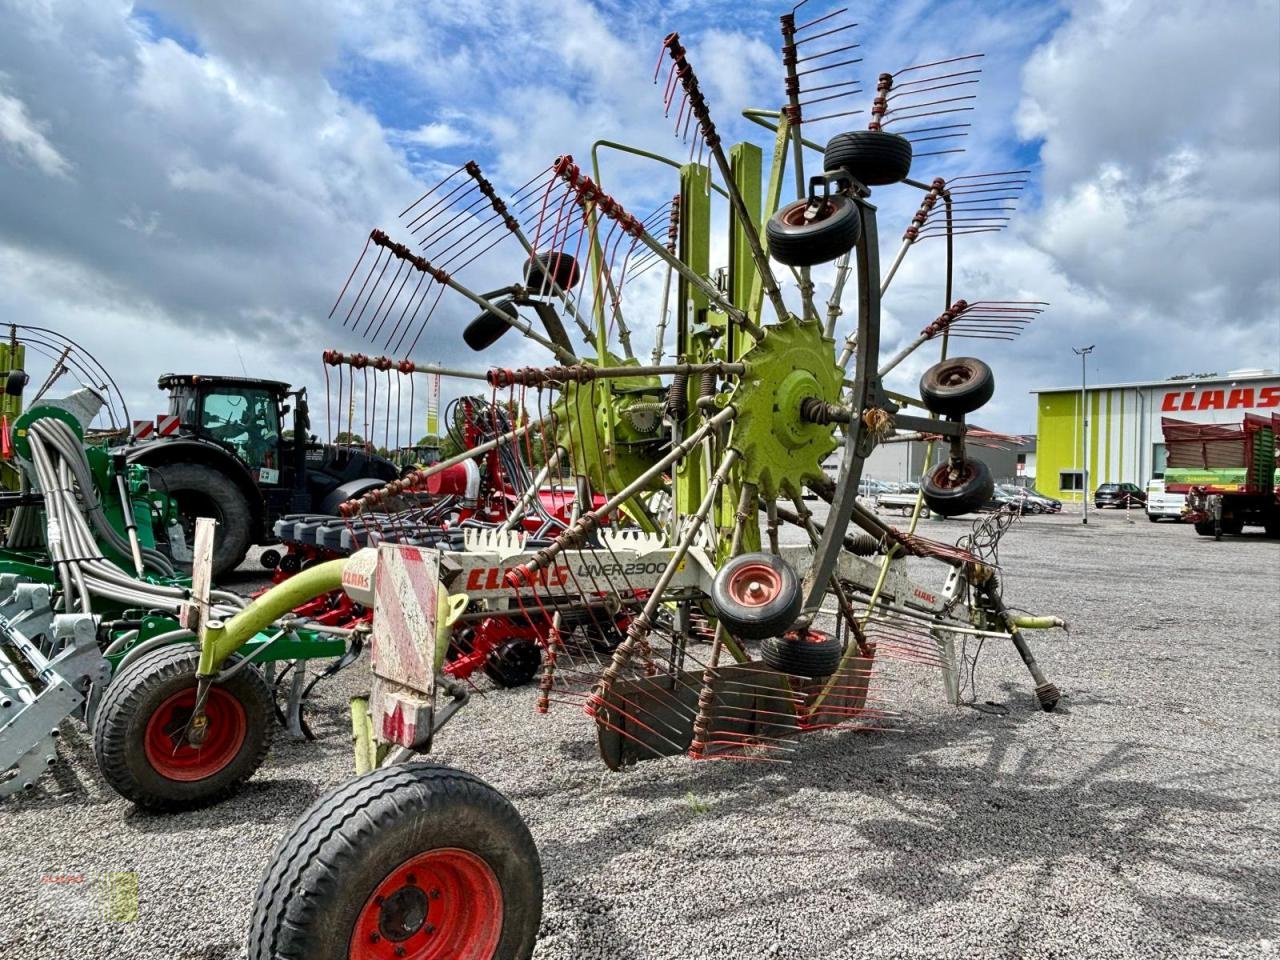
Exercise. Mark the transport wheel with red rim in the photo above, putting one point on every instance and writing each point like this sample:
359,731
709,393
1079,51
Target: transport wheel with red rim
800,242
440,905
809,654
756,595
140,732
169,750
409,862
951,489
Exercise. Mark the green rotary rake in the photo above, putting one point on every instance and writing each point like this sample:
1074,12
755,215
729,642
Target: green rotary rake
699,606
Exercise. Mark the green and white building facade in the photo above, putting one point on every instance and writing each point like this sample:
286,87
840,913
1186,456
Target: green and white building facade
1124,441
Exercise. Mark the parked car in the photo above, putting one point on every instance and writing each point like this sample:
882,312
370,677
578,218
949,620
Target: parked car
1021,498
1119,495
1161,504
1051,504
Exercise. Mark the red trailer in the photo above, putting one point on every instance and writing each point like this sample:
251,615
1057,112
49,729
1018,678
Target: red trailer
1227,471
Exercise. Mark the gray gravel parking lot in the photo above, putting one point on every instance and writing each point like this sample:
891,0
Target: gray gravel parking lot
1140,820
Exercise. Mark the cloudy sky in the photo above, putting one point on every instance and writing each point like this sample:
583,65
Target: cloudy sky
184,185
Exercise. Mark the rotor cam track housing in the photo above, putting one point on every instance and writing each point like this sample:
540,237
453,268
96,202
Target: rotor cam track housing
781,452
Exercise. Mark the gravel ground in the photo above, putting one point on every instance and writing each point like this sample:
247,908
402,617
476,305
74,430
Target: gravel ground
1140,820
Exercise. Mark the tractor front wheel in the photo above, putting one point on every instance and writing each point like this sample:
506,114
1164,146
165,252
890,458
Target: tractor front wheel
414,860
140,734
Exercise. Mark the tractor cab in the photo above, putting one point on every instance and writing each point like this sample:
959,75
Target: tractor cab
241,414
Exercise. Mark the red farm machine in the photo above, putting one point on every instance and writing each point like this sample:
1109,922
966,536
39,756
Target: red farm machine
1228,473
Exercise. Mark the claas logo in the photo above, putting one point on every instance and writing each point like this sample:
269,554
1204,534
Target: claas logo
1236,398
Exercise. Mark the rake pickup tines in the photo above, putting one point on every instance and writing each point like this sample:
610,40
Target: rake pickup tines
811,50
925,92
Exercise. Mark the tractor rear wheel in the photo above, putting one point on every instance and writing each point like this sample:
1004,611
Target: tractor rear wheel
414,860
139,733
200,490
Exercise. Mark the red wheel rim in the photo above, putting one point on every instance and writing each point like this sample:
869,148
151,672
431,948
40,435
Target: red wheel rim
165,740
955,375
942,476
809,636
755,584
793,216
440,905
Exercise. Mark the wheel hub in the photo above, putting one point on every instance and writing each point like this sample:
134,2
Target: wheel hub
175,754
780,451
403,914
755,585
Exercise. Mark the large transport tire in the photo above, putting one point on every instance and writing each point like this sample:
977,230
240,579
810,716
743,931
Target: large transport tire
485,330
872,157
514,663
756,595
418,857
137,735
957,386
798,243
201,491
813,655
965,493
1204,528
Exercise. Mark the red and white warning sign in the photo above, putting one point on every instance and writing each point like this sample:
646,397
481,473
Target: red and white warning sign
143,429
167,425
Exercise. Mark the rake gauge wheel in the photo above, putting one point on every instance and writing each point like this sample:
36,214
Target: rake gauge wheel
563,268
488,328
872,157
957,386
798,242
140,733
953,489
410,861
756,595
812,654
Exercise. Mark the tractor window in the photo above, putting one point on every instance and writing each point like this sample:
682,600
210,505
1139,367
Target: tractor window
248,420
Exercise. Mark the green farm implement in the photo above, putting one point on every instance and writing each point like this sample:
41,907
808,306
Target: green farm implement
736,641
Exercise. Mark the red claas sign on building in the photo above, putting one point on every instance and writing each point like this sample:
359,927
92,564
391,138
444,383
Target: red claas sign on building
1244,399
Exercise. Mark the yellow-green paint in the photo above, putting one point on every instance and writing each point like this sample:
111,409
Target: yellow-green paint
1058,444
1095,406
1122,434
1106,470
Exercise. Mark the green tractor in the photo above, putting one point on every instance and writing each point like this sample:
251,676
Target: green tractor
222,451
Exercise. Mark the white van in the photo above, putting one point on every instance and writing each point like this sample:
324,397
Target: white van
1161,504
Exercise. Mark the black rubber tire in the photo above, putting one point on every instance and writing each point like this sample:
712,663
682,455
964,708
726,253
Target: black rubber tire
799,244
769,619
564,271
1205,528
488,328
970,494
1233,528
201,491
957,386
332,502
874,158
513,664
134,695
1153,518
325,869
817,655
1272,528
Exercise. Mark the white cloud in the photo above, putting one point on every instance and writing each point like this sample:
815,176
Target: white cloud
25,142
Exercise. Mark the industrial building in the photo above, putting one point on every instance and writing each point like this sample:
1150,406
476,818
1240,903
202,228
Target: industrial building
1124,441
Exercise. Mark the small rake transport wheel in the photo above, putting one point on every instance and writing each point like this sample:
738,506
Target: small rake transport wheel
951,490
513,664
872,157
756,595
798,242
139,736
955,387
485,330
410,862
564,271
811,654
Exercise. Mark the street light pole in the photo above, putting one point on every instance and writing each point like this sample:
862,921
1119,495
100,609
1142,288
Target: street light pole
1082,353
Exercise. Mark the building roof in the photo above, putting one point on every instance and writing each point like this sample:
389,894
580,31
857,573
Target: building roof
1229,377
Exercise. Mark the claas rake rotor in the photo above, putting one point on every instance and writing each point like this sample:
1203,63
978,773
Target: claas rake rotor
695,602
